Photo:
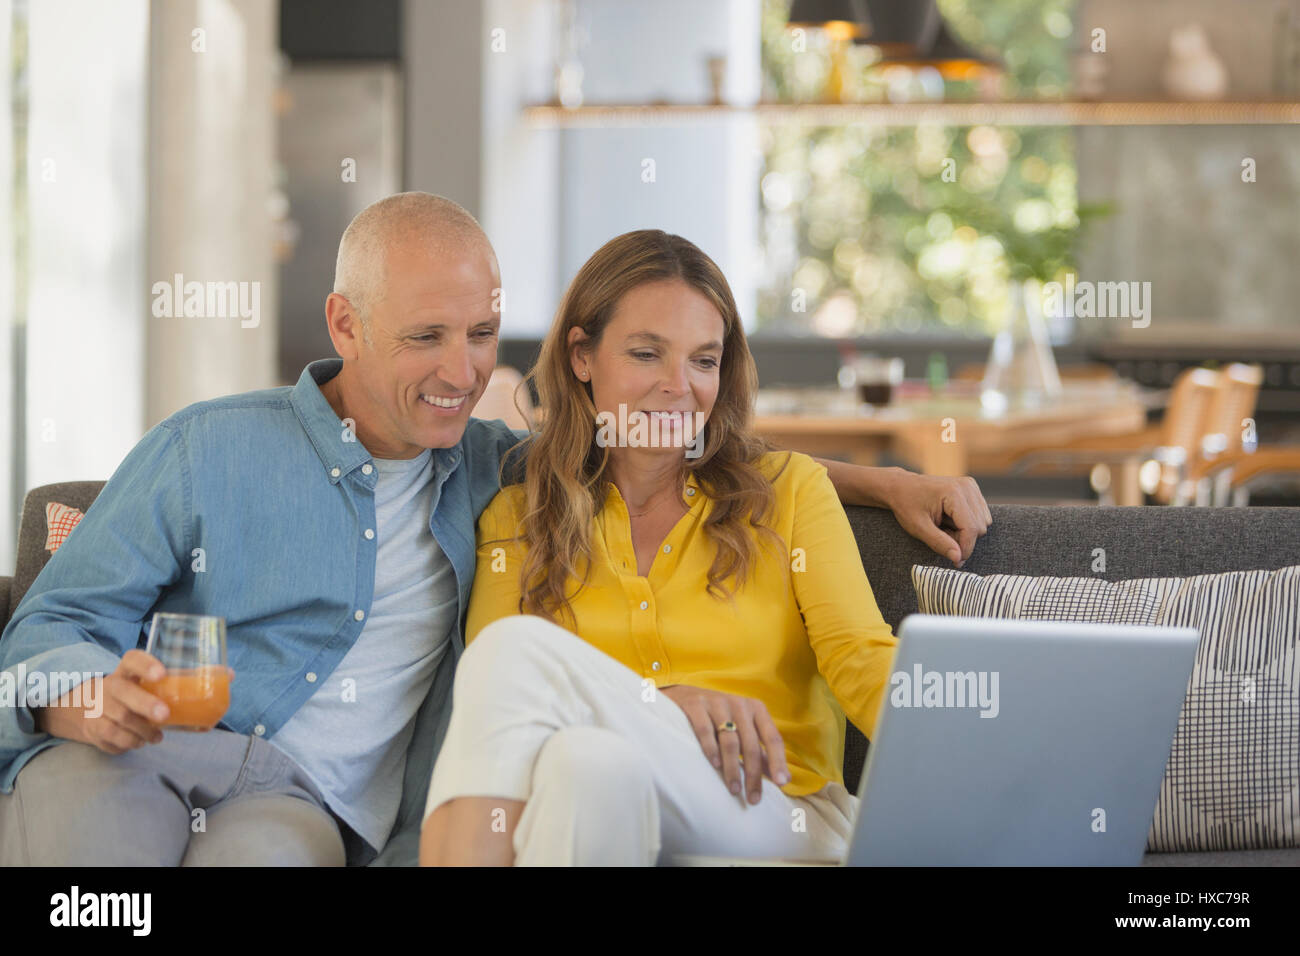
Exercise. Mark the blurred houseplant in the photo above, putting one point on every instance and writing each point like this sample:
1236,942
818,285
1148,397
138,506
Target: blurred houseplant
898,229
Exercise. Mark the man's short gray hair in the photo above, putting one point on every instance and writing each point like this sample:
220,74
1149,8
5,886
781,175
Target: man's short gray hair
361,270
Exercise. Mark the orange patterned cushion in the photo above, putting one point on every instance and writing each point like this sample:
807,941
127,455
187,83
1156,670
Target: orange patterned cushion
60,519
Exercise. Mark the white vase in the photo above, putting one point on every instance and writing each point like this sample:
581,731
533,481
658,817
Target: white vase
1193,71
1021,368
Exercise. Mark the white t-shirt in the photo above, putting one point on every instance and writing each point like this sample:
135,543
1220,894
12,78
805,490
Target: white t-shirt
351,735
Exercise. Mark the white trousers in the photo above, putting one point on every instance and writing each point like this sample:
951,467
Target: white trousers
609,768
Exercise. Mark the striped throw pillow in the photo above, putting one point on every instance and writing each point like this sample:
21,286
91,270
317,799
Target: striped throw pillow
1233,777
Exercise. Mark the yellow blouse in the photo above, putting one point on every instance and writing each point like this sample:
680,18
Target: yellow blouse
804,635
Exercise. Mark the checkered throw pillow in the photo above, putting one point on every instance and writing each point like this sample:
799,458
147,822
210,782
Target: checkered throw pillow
60,520
1232,781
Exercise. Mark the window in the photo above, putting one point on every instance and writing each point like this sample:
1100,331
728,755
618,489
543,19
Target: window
870,229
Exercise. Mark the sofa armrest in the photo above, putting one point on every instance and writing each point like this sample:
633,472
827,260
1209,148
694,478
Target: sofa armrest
6,585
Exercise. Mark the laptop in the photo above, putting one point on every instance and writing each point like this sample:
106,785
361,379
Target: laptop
1020,743
1017,743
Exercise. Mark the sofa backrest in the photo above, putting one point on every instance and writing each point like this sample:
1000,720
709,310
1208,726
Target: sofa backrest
1023,539
1062,541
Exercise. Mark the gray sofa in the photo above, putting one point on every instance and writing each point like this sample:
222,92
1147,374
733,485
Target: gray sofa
1139,542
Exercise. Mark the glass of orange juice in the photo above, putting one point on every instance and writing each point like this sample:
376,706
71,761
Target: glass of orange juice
196,684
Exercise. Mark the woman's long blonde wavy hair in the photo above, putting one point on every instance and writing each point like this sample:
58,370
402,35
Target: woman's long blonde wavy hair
567,476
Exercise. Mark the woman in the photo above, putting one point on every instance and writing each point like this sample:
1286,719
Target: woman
667,624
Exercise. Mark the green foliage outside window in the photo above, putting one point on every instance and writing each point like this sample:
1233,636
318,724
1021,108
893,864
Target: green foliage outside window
860,222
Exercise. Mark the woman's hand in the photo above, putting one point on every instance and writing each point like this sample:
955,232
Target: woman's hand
755,738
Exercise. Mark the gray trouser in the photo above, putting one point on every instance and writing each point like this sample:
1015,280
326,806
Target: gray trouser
195,799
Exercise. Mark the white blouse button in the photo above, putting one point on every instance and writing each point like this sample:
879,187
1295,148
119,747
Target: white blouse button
259,730
370,534
311,677
690,491
334,472
359,615
668,549
644,605
654,666
366,469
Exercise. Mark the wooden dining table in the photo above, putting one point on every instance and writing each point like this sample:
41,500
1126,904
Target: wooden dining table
955,430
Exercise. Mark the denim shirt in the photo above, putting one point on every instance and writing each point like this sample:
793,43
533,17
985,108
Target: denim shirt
250,507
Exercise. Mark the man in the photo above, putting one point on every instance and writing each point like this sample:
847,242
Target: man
332,525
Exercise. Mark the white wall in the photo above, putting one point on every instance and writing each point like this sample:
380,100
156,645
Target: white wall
10,493
706,174
86,175
548,198
520,200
